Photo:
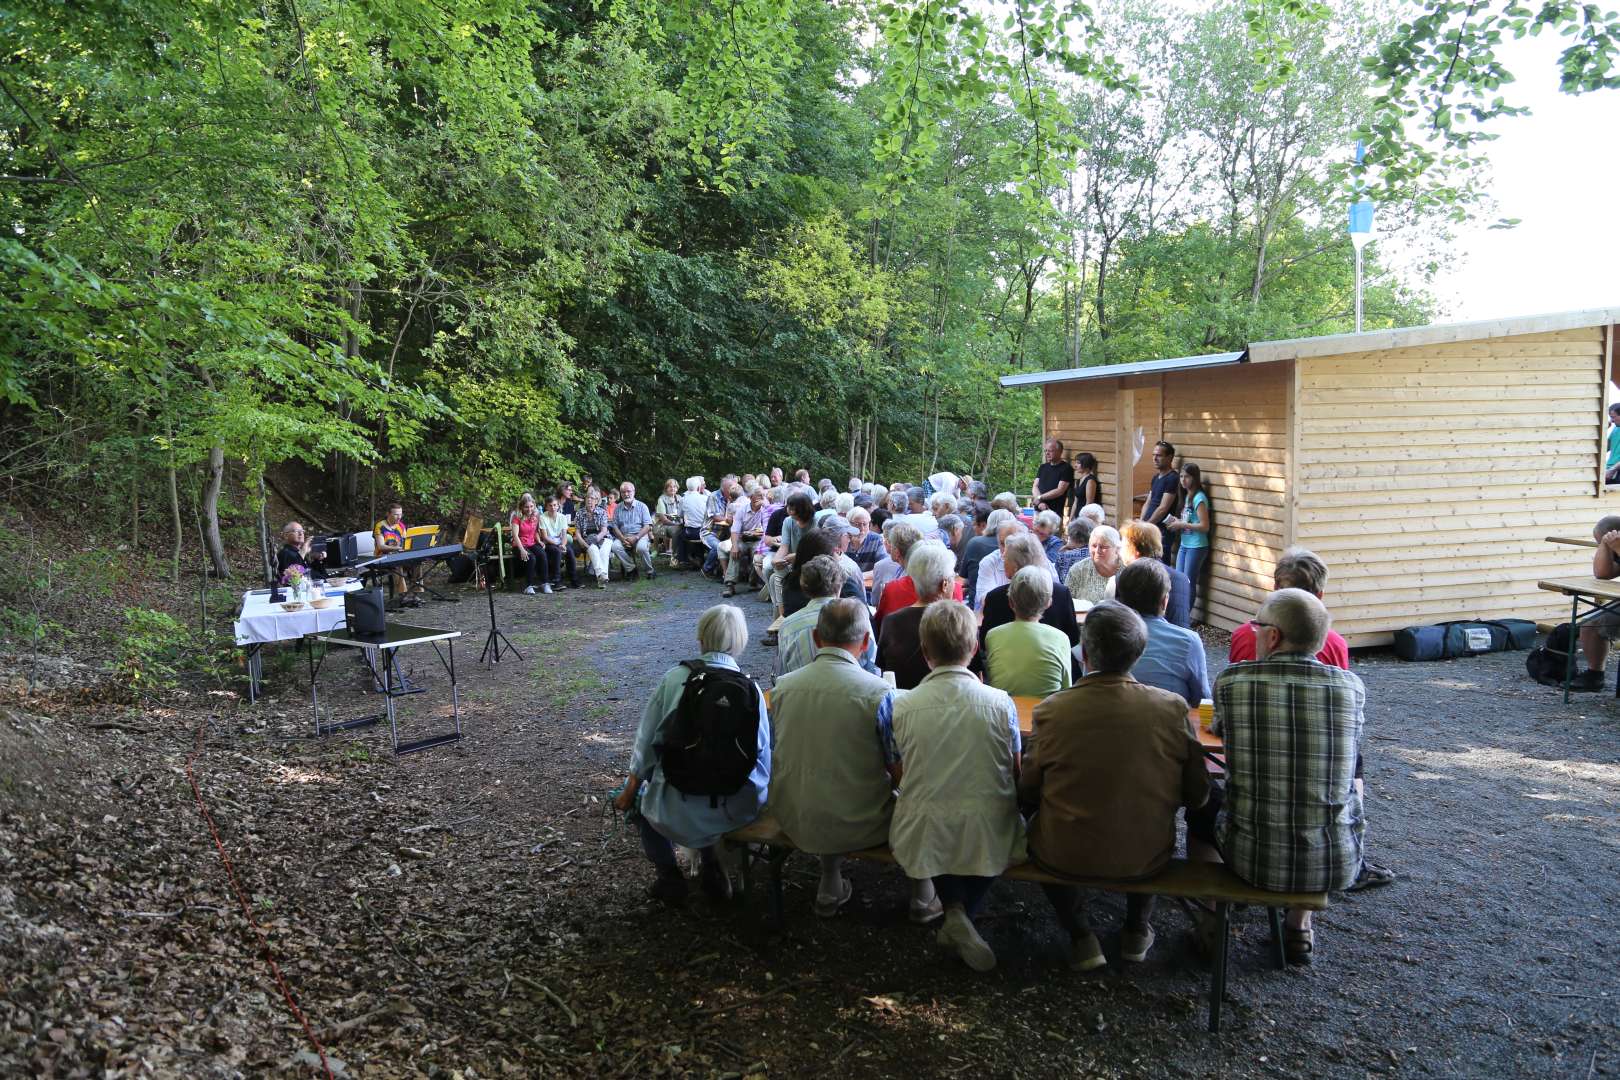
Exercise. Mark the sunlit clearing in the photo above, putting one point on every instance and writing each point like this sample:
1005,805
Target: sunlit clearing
291,774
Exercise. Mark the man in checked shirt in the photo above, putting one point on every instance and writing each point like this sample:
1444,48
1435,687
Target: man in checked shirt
1290,816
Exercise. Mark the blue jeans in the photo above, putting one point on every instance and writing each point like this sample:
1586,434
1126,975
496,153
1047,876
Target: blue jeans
711,562
962,889
1190,561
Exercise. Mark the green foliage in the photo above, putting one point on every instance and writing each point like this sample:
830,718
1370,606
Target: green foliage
472,245
151,649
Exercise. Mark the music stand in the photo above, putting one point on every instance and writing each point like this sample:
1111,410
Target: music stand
496,641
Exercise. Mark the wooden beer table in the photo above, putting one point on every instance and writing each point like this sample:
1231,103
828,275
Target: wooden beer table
1597,594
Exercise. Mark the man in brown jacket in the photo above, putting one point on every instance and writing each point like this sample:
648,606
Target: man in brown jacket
1113,761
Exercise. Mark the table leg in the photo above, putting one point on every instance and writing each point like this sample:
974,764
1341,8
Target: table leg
314,694
1574,643
255,667
1217,978
389,659
455,694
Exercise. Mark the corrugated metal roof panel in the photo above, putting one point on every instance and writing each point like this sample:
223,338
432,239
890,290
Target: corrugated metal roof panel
1111,371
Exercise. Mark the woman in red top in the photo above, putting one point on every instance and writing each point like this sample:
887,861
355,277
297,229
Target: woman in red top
902,593
525,526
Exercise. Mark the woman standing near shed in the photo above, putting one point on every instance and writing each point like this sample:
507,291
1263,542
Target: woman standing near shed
1192,529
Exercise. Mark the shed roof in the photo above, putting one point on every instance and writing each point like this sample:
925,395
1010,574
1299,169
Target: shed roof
1435,334
1338,344
1110,371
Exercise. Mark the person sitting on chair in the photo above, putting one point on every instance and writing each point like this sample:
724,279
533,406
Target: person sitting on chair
669,816
1604,627
667,519
389,537
830,789
526,544
591,536
296,551
1113,762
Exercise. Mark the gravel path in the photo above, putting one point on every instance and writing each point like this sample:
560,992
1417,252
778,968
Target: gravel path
481,894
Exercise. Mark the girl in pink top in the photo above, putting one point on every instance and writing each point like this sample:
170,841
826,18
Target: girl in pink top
525,526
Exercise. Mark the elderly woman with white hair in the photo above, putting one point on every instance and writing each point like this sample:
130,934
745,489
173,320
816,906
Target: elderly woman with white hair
826,504
1049,528
974,551
697,819
931,570
953,744
694,508
992,573
1092,581
1025,657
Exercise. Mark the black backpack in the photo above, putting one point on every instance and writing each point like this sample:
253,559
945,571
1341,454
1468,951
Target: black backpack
711,737
1549,663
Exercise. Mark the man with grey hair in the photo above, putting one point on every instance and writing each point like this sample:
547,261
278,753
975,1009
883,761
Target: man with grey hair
1604,626
831,789
918,515
822,579
1174,658
1290,818
1076,549
1113,762
899,537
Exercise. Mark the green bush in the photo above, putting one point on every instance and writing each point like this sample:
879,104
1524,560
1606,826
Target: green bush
151,649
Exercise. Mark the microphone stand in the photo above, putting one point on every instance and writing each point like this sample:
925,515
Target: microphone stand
496,641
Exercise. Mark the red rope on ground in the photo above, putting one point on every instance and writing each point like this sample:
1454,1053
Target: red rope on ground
247,911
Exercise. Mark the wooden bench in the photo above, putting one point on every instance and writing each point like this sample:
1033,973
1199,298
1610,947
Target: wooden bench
1183,878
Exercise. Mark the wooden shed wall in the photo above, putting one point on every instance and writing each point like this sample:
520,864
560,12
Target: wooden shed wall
1428,476
1081,414
1233,422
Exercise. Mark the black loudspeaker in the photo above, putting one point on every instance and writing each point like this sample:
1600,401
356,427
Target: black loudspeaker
341,550
363,610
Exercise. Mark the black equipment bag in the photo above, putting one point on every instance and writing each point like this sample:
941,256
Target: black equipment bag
363,611
1549,663
461,568
711,737
1446,641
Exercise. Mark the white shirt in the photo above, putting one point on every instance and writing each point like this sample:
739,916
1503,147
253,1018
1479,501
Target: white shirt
992,575
694,509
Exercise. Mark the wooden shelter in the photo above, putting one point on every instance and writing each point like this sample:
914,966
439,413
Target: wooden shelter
1425,465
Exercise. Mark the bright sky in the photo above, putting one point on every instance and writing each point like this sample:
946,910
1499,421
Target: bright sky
1558,170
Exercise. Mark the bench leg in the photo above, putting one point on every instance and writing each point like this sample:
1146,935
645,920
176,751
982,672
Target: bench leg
778,857
1217,976
744,863
1277,952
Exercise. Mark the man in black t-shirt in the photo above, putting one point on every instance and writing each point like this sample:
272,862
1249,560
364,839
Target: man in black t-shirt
1161,502
1052,480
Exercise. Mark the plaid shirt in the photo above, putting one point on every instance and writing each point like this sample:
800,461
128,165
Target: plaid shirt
1292,819
1064,561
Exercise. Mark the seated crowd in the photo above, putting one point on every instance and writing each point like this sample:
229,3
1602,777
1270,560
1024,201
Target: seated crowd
933,765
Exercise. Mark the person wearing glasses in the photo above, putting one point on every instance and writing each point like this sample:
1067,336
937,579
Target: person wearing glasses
1289,817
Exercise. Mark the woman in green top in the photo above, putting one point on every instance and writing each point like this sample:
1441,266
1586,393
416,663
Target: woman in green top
1193,528
1611,467
1025,657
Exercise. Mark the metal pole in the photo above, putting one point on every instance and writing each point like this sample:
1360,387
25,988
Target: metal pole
1358,288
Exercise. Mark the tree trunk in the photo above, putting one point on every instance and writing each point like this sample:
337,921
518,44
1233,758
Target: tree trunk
210,509
174,511
135,490
265,553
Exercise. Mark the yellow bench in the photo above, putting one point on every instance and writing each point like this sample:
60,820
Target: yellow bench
1182,878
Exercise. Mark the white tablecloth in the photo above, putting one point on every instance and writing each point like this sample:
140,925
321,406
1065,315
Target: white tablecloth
260,621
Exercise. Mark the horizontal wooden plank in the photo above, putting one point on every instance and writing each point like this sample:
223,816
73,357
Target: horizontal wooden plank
1466,413
1505,373
1478,390
1315,442
1270,460
1362,621
1402,425
1365,490
1460,517
1408,460
1310,505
